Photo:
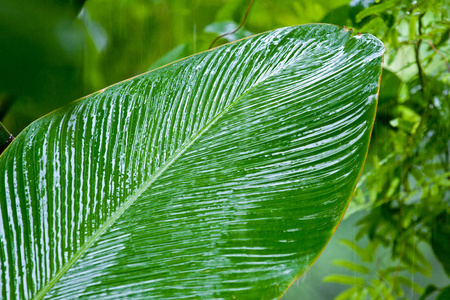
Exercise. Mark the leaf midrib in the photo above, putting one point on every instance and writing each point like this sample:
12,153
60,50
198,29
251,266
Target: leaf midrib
132,198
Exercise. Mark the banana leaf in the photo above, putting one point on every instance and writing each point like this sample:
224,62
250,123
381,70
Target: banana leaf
222,175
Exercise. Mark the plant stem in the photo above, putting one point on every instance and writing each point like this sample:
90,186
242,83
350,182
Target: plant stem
242,23
5,138
419,66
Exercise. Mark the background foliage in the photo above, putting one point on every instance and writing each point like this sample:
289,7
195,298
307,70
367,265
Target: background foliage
398,224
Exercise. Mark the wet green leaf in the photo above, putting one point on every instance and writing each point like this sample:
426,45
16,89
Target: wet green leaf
219,176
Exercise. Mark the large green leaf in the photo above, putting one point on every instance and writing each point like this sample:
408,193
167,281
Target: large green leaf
219,176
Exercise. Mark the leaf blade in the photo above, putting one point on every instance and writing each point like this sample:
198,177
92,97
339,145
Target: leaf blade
256,120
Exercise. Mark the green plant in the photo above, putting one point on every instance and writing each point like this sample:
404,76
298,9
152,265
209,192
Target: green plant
405,185
219,176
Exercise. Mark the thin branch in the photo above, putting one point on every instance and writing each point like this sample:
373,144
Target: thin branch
440,54
422,79
242,23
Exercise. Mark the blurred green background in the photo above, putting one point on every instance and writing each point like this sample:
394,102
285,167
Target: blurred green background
394,242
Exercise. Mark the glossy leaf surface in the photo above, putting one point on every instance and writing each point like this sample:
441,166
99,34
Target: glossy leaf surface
219,176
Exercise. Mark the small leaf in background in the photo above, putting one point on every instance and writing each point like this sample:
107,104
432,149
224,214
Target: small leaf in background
351,266
376,24
375,10
176,53
428,291
440,240
405,125
363,253
410,284
413,26
444,294
351,293
343,279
